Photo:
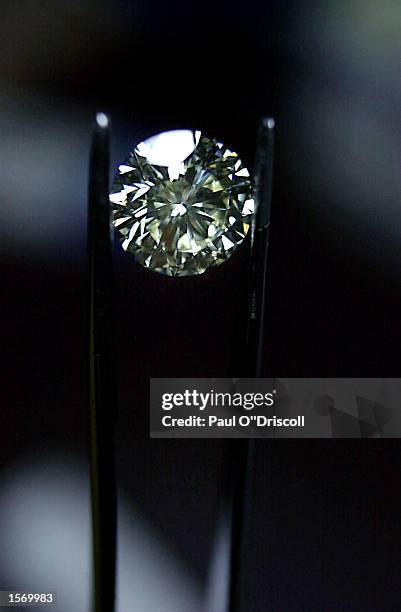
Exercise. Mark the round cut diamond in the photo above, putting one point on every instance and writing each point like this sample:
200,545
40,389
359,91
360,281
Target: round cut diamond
181,203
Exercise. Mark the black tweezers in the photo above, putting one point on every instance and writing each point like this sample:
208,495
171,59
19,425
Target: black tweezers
102,388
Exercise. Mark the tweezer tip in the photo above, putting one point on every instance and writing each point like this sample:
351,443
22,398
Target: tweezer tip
268,123
102,120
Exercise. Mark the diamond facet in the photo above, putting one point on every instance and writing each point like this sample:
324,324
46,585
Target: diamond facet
181,203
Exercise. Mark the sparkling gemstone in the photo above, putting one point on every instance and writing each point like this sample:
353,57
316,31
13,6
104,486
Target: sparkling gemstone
181,203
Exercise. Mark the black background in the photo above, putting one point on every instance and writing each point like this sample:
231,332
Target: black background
325,531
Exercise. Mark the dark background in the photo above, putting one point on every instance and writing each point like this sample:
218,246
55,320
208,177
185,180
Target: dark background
325,528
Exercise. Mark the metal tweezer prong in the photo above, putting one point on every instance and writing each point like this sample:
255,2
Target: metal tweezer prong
236,508
102,392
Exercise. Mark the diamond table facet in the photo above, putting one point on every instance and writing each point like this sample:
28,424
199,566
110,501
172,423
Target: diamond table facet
181,203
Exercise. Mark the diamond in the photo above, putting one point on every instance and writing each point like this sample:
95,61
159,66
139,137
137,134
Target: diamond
181,203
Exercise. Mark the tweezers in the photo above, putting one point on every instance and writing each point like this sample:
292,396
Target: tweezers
102,387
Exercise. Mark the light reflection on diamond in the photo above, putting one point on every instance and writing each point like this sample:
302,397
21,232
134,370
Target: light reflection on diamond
188,211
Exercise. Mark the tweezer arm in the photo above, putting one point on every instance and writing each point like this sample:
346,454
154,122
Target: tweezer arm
243,451
102,398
